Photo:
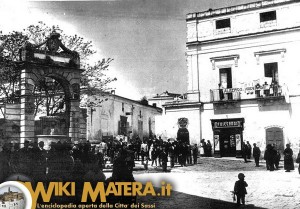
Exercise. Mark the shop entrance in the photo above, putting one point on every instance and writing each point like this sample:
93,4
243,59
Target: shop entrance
228,137
227,143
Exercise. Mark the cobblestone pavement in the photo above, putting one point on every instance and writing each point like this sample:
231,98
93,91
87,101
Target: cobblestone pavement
208,185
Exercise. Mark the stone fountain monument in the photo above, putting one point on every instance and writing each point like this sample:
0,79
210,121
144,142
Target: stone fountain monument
50,61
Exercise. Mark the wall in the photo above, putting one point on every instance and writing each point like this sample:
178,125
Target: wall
104,120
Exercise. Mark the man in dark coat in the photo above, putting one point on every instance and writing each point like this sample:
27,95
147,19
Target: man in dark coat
277,157
249,150
270,156
208,149
195,153
244,152
256,154
164,159
288,158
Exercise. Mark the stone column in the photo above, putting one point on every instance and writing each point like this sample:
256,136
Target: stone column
27,109
74,130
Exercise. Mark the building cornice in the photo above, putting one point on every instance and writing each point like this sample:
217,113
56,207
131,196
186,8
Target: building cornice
248,35
236,9
178,105
132,101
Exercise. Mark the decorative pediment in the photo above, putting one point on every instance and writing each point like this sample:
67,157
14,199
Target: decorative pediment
51,51
270,52
233,57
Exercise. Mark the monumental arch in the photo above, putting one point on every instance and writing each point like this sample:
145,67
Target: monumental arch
57,67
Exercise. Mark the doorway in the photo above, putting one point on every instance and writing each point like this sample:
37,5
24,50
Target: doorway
228,143
274,135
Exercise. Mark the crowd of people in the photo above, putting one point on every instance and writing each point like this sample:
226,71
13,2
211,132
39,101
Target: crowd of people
86,161
205,148
159,152
62,162
271,156
77,161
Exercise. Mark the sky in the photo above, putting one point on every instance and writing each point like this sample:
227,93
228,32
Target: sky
12,189
146,38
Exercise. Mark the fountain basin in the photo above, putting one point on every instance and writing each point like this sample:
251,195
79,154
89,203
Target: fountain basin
47,139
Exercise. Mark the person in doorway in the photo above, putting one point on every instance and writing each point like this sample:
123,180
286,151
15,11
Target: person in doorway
240,189
256,154
288,158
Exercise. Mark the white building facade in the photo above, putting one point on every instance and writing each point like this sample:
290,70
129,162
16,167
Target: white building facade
243,76
121,117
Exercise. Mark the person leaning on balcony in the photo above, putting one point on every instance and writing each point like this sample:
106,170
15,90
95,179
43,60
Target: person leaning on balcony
257,90
221,92
266,89
275,88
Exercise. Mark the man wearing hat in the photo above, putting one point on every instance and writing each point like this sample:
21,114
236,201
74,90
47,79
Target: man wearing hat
240,189
256,154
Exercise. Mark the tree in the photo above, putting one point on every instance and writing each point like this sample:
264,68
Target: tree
144,101
94,81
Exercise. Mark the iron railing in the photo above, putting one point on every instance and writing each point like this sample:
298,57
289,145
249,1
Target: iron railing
233,94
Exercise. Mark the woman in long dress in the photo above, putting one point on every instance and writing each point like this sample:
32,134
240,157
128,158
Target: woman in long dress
202,148
288,158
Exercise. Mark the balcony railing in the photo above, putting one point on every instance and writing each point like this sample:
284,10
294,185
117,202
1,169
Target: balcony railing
234,94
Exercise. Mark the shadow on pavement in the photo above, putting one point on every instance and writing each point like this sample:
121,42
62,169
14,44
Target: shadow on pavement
179,200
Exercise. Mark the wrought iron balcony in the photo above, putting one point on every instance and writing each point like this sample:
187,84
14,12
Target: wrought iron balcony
235,94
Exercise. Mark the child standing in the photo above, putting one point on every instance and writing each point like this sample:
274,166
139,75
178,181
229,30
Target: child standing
240,189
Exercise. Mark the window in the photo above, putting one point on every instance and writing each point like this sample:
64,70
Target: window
122,107
225,23
267,16
122,125
225,78
271,71
225,82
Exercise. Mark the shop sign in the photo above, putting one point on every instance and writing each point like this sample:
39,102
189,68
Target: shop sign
227,124
251,88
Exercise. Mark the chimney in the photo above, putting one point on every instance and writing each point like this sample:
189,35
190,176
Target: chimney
154,104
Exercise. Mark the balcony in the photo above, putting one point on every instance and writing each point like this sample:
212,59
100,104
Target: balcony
236,94
267,24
